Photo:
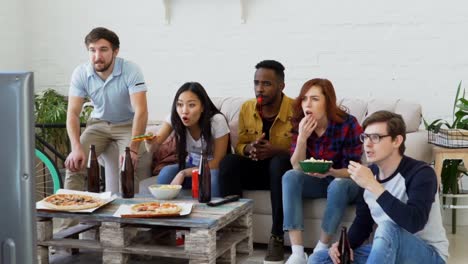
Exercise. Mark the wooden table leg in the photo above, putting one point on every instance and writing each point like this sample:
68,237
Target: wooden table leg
246,222
438,159
229,256
115,235
200,245
454,216
44,233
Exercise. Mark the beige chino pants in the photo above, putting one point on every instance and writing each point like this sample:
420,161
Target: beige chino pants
101,134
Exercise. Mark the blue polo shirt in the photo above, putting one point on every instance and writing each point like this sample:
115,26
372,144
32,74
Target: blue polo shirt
111,98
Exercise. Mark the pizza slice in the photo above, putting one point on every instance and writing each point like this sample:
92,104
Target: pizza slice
143,137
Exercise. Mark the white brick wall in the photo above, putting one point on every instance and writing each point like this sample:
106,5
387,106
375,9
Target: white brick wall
13,39
410,49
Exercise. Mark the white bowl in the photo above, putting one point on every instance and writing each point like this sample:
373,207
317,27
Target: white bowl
165,191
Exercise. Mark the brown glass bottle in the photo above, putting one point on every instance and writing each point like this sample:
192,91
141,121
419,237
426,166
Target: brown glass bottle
344,248
126,175
204,180
93,170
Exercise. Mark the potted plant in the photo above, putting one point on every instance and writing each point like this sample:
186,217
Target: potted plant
50,107
455,134
460,114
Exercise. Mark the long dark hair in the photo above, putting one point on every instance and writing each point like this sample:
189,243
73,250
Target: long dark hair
334,112
209,110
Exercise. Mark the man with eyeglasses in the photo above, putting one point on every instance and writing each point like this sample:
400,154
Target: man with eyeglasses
399,195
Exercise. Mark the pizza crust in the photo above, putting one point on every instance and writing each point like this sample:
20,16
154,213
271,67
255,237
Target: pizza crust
71,202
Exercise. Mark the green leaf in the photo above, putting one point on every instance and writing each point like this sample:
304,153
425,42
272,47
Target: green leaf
434,124
456,97
426,125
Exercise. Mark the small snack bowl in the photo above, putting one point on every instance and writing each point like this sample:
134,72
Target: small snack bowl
165,191
315,166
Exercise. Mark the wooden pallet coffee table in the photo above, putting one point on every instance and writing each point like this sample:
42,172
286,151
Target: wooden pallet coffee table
220,234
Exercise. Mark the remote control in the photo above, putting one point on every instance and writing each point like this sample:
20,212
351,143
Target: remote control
227,199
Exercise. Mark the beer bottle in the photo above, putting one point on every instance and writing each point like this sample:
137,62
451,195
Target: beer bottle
344,248
204,180
93,170
126,175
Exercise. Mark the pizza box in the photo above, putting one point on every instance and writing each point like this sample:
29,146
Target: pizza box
107,197
125,211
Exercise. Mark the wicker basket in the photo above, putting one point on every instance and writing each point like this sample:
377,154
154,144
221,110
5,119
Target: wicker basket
449,138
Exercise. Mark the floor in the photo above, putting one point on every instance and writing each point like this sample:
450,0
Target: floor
458,253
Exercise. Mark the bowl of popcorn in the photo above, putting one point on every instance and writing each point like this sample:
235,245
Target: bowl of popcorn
313,165
165,191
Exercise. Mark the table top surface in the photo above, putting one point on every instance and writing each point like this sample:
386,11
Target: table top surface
441,149
202,216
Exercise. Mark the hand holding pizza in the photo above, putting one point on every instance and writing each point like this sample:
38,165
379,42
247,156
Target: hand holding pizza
148,136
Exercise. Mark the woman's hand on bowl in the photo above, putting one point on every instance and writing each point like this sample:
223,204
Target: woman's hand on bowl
318,175
179,178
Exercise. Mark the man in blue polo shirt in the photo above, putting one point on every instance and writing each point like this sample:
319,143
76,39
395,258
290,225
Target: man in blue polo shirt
117,90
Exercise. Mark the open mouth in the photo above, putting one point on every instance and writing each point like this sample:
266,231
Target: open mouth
308,112
185,119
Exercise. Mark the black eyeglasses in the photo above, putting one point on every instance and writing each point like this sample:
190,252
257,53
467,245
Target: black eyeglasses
374,138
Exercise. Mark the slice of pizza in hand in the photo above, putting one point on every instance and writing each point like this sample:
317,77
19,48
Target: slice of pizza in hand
154,209
143,137
73,202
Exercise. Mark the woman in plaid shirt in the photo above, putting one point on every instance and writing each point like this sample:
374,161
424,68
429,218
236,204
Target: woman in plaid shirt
321,130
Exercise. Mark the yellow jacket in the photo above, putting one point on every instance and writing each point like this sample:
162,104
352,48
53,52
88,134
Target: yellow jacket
250,125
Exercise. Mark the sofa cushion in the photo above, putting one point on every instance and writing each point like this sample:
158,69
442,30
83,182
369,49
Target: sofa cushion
355,107
411,112
165,155
229,106
378,104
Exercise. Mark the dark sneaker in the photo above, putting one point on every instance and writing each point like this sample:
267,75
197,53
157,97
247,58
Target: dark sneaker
275,251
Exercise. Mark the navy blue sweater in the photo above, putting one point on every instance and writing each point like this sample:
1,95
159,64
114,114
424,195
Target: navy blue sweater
410,200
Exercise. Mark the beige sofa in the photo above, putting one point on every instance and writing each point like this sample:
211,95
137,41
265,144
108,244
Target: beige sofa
416,144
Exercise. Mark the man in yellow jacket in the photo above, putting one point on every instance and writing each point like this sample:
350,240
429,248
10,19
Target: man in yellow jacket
262,153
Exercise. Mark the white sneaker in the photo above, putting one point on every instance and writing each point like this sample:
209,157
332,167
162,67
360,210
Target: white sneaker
296,259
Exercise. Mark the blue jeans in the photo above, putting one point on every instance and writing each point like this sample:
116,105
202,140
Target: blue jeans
169,172
392,244
360,256
296,185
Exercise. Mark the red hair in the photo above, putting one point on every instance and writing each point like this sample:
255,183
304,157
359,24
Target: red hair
334,112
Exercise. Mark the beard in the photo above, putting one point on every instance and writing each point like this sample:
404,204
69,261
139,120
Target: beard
103,68
268,101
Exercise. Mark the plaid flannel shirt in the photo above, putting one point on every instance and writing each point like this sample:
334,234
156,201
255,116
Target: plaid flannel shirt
340,143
